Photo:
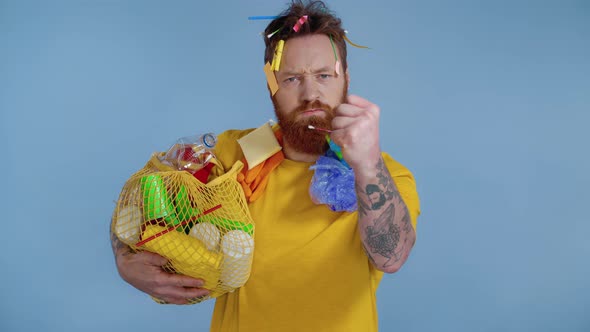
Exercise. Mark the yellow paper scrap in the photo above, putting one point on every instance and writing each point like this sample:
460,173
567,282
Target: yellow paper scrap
276,59
271,79
259,145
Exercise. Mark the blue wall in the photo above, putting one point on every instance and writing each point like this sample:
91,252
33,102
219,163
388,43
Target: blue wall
487,103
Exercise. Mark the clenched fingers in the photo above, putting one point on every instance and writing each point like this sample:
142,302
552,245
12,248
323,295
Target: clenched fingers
178,289
180,295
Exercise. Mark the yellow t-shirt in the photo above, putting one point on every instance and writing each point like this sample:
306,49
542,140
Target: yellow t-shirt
309,270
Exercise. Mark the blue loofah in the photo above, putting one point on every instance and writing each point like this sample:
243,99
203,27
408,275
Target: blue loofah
333,184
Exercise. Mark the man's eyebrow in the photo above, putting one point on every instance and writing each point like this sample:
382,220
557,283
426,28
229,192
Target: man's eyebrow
315,71
323,69
290,73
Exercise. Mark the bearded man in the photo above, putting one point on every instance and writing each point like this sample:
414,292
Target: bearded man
313,269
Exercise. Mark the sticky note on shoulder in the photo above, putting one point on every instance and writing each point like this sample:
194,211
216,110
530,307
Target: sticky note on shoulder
271,79
259,145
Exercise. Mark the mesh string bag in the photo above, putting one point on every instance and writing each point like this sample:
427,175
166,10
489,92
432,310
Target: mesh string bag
204,229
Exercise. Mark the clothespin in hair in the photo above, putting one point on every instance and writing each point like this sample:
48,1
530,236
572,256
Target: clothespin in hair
276,59
299,23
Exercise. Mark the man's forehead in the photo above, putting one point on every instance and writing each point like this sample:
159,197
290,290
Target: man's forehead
311,52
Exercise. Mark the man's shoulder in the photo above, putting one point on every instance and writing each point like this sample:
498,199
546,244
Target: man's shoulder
234,134
406,184
394,166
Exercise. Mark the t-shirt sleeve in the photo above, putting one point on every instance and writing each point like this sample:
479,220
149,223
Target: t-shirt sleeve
406,185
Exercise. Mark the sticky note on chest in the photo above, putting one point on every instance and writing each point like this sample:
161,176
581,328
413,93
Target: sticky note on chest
259,145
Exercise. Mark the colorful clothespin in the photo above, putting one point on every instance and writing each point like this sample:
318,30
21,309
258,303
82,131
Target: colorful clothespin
276,59
299,23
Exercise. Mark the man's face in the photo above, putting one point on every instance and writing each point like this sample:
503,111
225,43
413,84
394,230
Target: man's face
309,90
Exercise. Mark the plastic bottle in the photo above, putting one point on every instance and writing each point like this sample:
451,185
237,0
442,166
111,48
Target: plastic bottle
191,153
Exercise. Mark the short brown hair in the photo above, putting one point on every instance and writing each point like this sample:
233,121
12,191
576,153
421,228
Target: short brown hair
320,20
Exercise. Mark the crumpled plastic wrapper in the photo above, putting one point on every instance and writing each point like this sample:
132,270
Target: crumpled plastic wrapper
333,184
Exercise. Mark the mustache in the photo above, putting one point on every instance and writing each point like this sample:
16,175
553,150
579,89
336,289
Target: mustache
316,104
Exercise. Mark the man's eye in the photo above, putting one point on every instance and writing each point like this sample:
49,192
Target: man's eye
324,76
291,79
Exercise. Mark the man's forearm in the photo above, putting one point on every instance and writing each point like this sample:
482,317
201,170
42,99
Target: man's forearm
384,222
119,248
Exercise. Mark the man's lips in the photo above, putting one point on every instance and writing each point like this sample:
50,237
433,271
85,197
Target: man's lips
312,111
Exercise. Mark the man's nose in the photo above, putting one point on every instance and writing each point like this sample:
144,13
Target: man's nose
309,90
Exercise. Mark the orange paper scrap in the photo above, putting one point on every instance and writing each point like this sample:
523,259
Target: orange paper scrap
271,79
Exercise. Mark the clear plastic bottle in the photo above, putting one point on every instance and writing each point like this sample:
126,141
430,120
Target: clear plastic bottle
191,153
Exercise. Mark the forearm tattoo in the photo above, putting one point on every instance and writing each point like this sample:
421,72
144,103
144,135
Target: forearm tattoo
381,203
119,248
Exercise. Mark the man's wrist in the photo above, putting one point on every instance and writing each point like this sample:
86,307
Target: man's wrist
368,169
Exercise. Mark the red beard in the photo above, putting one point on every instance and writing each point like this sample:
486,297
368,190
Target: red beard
295,131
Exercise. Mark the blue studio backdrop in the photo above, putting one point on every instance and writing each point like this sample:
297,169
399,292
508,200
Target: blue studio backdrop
487,102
